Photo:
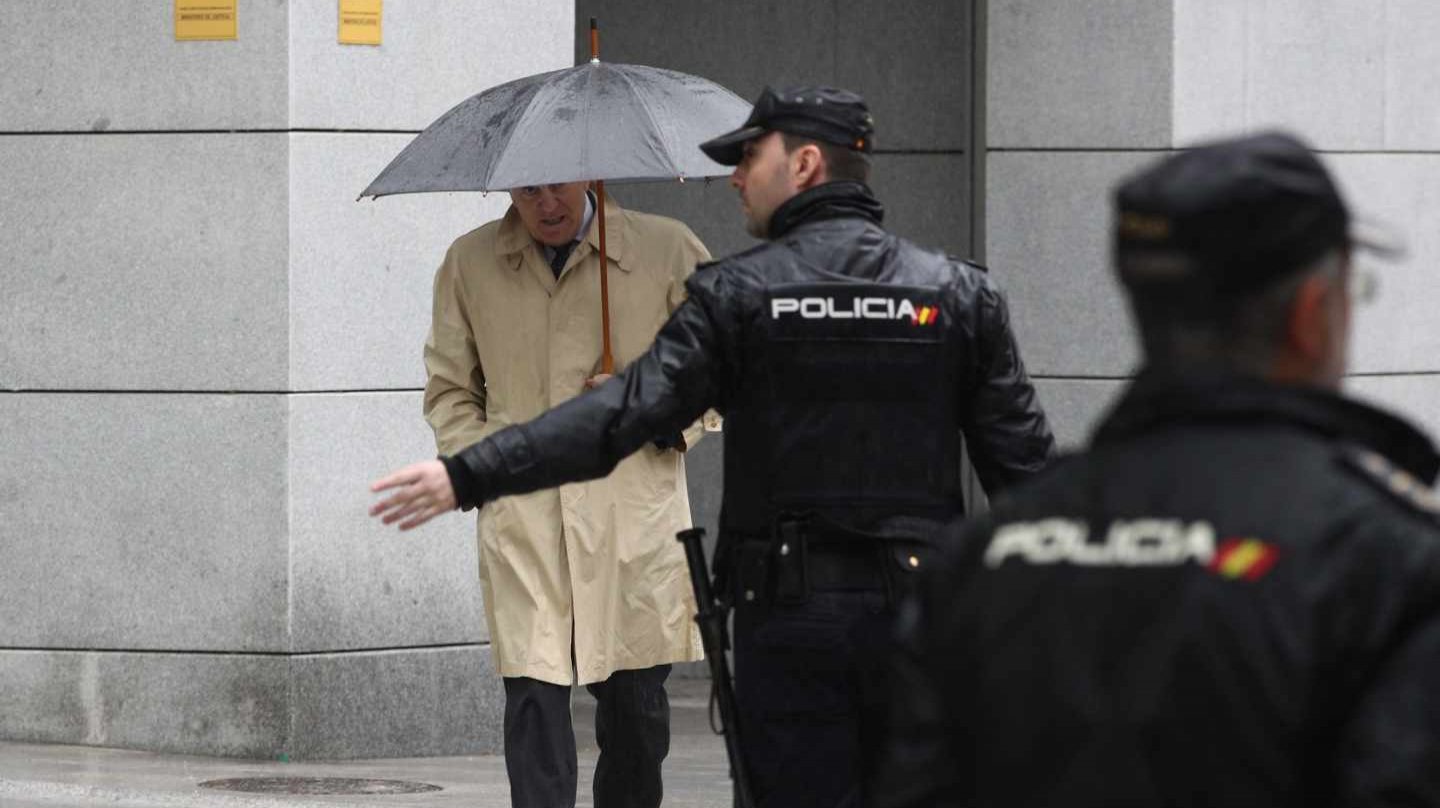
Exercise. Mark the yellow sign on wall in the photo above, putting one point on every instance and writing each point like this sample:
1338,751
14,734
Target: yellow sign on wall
360,22
206,19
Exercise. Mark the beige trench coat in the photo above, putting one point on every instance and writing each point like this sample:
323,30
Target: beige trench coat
596,561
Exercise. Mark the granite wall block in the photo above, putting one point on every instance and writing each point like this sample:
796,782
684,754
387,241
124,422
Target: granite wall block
97,66
143,522
1079,75
362,272
434,55
407,703
1048,245
230,705
357,584
144,262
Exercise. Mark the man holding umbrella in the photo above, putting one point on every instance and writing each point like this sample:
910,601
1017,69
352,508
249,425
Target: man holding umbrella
848,363
586,574
582,580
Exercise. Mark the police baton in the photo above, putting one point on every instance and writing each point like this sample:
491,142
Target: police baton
710,616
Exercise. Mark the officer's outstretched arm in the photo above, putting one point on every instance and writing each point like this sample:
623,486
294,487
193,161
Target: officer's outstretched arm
1008,436
659,394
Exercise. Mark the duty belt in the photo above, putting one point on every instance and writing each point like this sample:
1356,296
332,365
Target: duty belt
787,573
787,567
833,565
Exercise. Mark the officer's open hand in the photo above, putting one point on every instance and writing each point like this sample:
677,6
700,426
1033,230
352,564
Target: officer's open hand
423,492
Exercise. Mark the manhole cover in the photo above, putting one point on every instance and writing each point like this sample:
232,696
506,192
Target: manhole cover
317,785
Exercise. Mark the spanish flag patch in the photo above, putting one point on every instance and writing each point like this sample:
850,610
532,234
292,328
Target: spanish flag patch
1243,559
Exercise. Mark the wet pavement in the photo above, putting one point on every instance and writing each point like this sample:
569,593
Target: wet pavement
41,776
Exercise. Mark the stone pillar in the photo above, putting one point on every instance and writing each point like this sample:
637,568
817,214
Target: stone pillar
207,350
1079,94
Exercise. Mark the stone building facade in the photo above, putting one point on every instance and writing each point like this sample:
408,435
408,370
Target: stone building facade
208,347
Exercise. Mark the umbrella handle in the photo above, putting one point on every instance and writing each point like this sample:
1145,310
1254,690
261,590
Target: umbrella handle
607,359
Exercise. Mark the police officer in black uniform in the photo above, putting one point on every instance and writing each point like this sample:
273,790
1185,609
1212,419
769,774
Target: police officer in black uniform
1233,598
847,363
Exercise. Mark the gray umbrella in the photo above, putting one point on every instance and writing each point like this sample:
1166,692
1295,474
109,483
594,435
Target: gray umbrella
596,121
601,122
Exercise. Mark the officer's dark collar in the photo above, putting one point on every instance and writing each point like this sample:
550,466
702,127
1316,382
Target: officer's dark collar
1162,400
832,200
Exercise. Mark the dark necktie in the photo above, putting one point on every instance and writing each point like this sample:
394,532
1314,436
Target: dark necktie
562,254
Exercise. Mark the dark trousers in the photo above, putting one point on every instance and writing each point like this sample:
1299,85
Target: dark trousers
807,683
632,729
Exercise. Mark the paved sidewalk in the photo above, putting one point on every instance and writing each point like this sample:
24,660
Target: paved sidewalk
38,776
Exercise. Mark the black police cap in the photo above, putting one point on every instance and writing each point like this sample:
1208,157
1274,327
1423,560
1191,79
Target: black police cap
1232,216
820,113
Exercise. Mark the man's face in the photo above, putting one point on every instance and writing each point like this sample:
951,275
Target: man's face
552,213
765,181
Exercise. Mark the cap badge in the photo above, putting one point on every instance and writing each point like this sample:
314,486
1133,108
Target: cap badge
1144,226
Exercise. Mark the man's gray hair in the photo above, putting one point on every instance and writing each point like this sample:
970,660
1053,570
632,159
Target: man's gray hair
1244,335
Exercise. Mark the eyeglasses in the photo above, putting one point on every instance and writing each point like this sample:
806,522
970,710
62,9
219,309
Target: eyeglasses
1364,285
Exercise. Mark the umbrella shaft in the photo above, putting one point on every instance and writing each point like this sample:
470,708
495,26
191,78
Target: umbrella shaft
607,359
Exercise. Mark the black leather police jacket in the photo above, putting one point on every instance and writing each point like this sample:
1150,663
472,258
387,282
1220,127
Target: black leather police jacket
1233,599
711,353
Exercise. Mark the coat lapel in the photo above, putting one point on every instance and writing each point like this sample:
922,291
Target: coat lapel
516,250
616,237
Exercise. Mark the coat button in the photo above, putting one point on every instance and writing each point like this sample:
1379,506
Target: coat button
785,549
749,594
914,562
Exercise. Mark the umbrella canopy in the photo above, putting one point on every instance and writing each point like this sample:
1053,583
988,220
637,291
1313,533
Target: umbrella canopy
596,121
593,122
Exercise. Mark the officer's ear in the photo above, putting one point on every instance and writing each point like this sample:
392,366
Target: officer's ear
807,166
1311,337
1308,318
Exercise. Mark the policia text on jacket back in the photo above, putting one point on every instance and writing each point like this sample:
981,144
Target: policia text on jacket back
1233,598
847,363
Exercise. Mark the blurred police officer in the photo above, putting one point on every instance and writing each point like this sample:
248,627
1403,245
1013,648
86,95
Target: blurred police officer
847,363
1233,598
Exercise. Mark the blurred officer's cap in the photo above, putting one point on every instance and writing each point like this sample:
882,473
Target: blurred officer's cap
1233,216
819,113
